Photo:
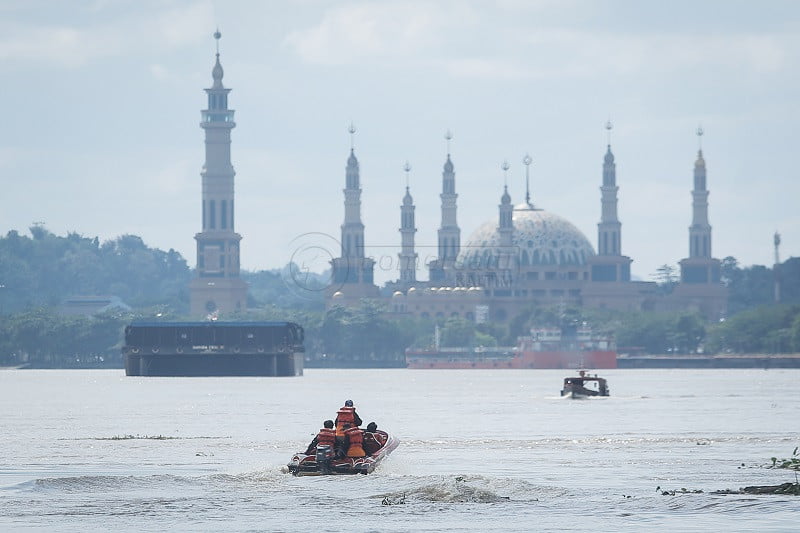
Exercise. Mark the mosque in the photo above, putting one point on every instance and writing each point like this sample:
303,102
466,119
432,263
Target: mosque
526,256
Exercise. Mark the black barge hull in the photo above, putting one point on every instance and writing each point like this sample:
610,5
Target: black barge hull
213,349
216,364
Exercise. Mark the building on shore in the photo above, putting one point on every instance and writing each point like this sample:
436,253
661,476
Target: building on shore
526,256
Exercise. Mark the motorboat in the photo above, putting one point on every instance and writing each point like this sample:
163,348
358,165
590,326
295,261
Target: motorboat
584,385
324,462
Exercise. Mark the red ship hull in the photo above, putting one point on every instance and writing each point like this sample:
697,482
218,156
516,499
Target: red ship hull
525,359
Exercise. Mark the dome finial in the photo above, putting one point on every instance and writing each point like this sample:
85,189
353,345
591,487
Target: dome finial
407,169
448,137
527,160
609,127
352,130
505,166
700,133
217,72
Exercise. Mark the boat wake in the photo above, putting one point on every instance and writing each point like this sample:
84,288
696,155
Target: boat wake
106,483
465,489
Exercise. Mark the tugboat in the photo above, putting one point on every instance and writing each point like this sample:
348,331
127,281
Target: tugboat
323,462
584,386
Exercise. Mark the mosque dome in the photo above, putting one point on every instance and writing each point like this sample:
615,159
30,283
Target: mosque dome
541,238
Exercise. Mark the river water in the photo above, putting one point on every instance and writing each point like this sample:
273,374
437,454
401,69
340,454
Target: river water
93,450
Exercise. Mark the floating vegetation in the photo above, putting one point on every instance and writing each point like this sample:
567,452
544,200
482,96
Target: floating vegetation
678,491
783,488
792,463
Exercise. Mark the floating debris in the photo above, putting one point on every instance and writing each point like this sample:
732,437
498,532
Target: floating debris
679,491
394,500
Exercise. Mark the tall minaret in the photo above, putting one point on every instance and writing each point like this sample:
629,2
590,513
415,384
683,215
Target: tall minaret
506,211
352,271
217,288
353,228
609,264
449,232
507,255
408,257
700,230
609,237
700,266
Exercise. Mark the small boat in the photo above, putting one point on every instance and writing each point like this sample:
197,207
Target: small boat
584,386
323,463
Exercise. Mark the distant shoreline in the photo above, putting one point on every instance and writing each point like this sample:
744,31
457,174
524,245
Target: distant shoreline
765,361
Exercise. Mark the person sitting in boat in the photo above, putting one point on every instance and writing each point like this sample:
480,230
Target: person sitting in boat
341,442
325,437
354,436
373,441
346,415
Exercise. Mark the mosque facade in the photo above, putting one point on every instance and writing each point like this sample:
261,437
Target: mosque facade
525,256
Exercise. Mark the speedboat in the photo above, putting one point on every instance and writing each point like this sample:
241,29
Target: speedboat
584,386
324,463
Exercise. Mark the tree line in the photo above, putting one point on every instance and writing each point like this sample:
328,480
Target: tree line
38,272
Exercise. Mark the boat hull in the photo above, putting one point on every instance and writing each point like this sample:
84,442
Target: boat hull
214,364
307,465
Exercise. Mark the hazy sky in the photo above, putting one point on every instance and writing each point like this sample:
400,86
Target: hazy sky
102,103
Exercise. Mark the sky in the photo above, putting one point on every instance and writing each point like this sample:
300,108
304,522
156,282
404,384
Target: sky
103,98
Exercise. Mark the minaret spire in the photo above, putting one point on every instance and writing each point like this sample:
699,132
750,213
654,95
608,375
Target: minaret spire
353,228
353,272
700,230
217,287
609,230
449,232
408,257
701,273
609,265
506,224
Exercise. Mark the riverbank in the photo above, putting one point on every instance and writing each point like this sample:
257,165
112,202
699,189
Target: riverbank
710,361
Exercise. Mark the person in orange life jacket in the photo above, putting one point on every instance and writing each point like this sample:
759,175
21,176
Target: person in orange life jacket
342,442
346,415
326,437
355,438
371,441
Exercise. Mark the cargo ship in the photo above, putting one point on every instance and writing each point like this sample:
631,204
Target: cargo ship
569,347
213,349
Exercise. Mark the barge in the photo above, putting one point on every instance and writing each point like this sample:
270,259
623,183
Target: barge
213,349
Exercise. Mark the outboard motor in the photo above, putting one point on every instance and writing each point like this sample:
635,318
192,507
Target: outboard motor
324,459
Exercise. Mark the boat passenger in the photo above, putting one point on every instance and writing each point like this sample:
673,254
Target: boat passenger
355,439
372,441
342,442
346,415
325,437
